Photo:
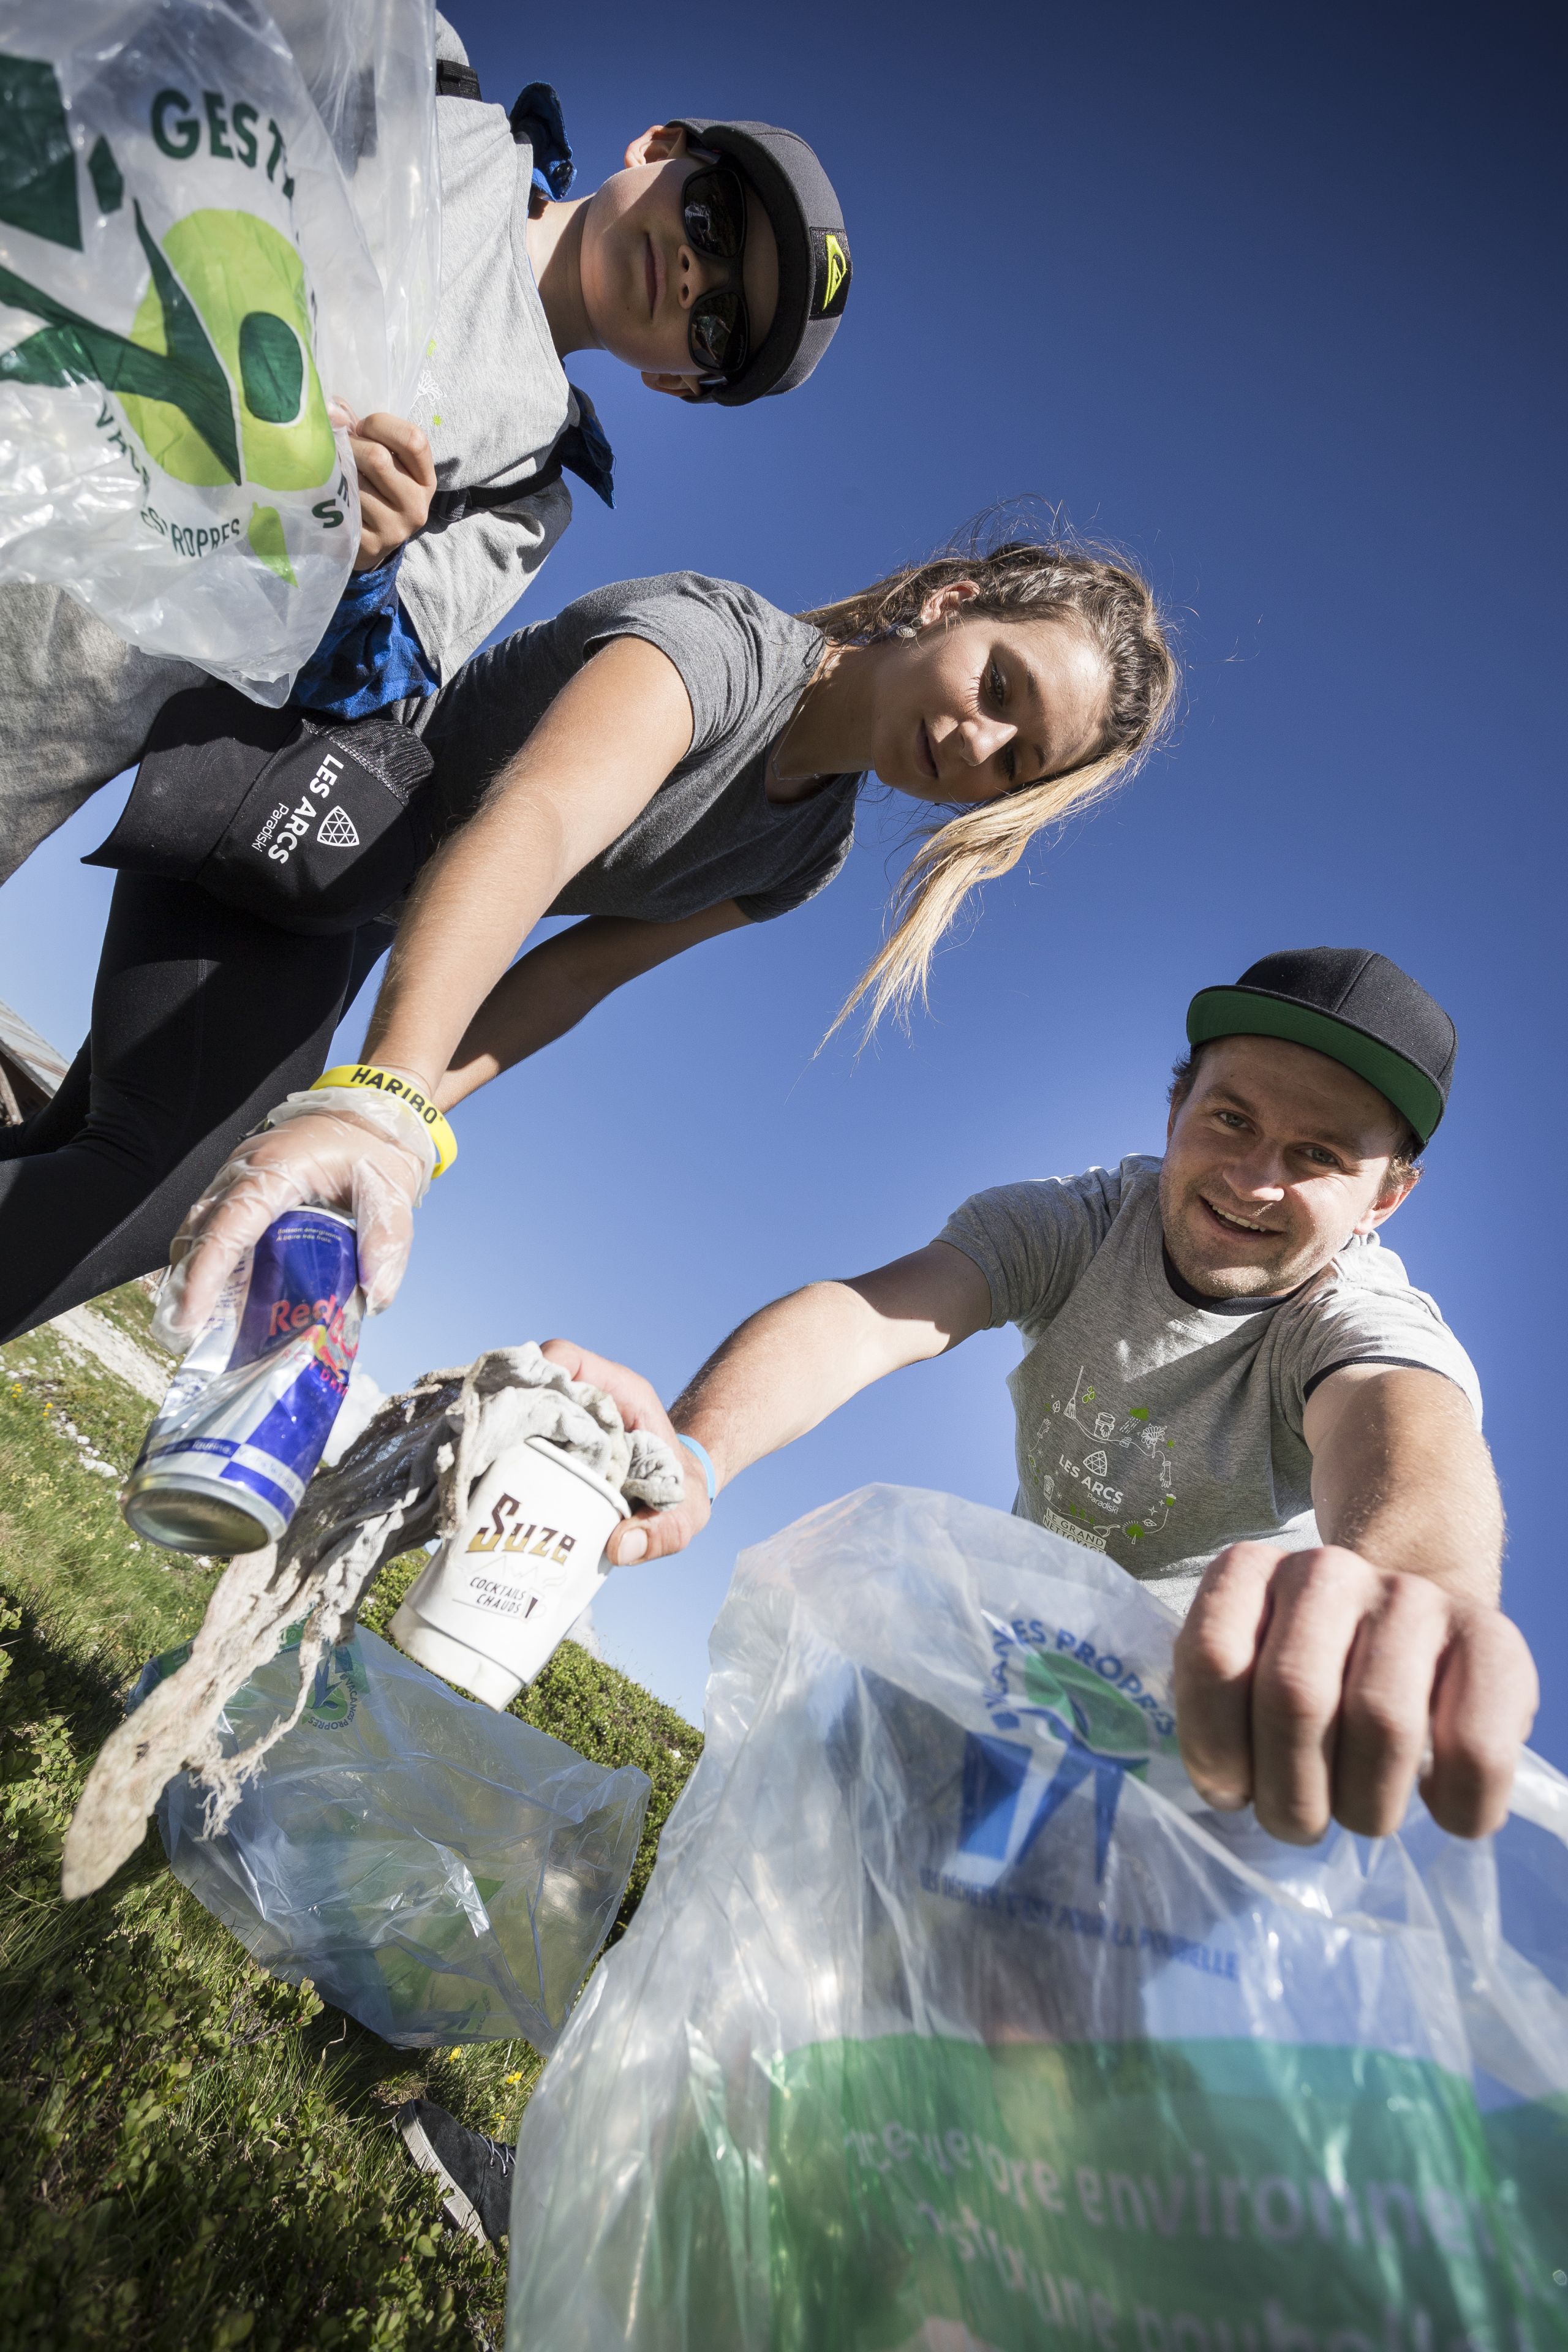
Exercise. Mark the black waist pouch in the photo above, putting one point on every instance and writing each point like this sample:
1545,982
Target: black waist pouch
314,825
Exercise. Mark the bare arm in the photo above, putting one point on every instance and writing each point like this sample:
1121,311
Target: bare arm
1402,1475
596,758
557,982
789,1367
1316,1684
601,752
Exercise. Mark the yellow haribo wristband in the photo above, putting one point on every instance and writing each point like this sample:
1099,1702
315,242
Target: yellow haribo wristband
387,1081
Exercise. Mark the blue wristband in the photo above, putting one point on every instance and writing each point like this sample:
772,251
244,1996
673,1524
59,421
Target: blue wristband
702,1453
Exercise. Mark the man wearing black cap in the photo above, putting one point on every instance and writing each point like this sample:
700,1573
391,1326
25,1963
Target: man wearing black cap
1230,1388
716,264
1216,1348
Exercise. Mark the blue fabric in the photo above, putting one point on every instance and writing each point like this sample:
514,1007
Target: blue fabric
536,117
583,448
370,653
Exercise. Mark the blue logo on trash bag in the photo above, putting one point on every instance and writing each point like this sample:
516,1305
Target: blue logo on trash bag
337,1686
337,1690
1108,1723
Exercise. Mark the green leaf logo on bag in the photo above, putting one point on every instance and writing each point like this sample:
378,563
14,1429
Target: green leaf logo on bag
1095,1695
226,305
1068,1691
216,375
1089,1699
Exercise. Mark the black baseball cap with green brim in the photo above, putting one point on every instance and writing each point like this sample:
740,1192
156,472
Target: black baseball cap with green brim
1356,1007
814,253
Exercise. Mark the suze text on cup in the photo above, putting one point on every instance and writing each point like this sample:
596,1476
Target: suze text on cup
528,1538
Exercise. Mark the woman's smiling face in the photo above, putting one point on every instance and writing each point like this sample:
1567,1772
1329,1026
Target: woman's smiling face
641,274
976,707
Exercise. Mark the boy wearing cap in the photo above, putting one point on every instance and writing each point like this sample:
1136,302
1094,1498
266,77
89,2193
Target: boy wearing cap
716,264
1230,1387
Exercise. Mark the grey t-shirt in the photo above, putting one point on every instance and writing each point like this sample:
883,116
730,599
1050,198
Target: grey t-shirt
710,833
493,394
1153,1429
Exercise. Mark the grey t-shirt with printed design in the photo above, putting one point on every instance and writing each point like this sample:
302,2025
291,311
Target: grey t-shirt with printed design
1153,1428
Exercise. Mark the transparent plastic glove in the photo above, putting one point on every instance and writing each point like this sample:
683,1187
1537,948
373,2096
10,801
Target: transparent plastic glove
366,1154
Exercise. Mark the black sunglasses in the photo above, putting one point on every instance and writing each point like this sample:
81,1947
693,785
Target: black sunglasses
713,212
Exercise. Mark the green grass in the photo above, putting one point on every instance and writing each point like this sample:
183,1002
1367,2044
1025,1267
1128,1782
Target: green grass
192,2155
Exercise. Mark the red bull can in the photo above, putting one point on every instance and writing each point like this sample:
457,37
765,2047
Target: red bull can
225,1467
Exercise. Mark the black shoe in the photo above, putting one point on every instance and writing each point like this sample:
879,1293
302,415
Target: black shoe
476,2172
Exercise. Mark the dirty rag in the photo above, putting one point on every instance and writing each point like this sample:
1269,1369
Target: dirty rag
406,1478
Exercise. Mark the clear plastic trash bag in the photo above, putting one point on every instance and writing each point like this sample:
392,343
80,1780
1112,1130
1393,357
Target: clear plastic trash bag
951,2019
207,233
442,1872
369,65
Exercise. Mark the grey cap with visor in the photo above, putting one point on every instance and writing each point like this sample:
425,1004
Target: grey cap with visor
814,253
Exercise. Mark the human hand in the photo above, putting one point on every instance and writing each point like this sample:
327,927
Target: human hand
1312,1685
371,1159
396,482
647,1534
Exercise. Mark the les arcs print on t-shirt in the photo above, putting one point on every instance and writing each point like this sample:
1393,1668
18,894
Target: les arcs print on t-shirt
1100,1469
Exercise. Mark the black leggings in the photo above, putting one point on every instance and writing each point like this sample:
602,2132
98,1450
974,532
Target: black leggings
203,1019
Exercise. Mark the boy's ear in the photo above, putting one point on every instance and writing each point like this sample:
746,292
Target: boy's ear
660,143
684,387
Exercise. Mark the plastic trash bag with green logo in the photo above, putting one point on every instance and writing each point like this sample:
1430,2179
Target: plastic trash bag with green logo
443,1873
212,222
952,2020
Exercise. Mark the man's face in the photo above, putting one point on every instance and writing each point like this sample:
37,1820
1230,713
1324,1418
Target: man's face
1274,1158
641,274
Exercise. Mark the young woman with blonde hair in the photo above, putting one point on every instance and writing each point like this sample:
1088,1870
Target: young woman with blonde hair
668,759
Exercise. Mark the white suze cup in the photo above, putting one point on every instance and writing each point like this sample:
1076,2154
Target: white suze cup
527,1561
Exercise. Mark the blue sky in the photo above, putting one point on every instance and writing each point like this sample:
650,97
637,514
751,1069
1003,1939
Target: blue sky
1274,300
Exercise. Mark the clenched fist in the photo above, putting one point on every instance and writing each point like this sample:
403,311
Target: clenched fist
1314,1686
